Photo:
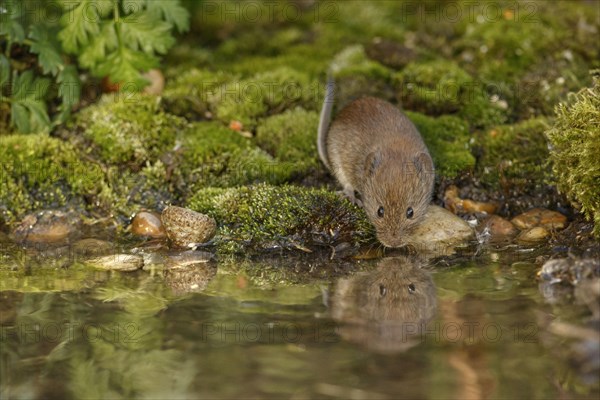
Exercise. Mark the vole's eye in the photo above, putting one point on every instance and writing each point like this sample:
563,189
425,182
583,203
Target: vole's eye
411,288
382,290
409,212
380,212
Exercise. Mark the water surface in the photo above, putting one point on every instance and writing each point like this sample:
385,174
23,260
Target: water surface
389,329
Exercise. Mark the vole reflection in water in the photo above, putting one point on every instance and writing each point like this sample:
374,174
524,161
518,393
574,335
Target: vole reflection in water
387,309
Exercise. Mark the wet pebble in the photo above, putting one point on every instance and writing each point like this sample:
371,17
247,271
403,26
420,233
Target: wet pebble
439,232
535,234
185,227
540,217
146,223
48,226
454,203
118,262
500,228
571,270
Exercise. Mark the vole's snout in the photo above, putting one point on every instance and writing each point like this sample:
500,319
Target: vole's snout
391,239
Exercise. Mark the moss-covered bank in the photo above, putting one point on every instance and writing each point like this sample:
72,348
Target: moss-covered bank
575,152
282,217
480,88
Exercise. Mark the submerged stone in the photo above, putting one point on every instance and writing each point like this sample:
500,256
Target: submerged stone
572,270
91,247
117,262
49,226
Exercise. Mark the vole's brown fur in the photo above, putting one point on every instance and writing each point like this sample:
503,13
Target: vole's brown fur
374,149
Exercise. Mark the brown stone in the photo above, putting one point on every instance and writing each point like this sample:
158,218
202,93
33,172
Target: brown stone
540,217
457,205
185,227
49,226
534,234
146,223
499,227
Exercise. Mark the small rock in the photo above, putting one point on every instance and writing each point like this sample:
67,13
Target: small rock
185,227
91,247
391,54
571,270
535,234
146,223
439,232
118,262
540,217
499,227
459,206
157,82
48,226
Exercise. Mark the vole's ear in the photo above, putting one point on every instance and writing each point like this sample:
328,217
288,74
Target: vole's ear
372,163
423,164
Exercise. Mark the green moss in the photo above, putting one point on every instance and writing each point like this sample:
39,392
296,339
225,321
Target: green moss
442,87
514,156
356,76
263,94
433,87
447,138
314,60
575,139
39,172
291,137
129,129
214,155
533,53
266,217
187,95
504,47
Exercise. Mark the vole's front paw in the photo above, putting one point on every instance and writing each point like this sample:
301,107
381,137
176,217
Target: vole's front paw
350,194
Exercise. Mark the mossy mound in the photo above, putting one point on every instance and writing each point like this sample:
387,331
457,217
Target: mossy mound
575,140
264,217
356,76
214,155
447,138
129,129
291,137
187,95
265,94
40,172
442,87
514,156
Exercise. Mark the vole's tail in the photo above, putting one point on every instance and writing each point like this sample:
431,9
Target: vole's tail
324,121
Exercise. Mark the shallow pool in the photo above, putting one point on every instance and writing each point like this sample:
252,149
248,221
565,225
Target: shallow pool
474,327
